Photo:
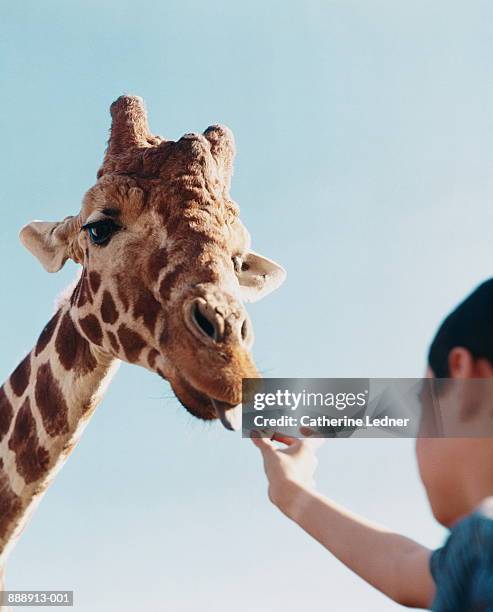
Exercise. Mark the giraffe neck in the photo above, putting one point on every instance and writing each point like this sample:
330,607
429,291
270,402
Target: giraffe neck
44,406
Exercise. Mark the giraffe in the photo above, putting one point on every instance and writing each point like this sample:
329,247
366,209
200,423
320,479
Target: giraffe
165,269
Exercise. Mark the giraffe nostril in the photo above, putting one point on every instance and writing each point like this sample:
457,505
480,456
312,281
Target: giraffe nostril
203,323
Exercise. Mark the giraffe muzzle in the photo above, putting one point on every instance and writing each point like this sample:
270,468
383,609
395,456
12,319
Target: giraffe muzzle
212,322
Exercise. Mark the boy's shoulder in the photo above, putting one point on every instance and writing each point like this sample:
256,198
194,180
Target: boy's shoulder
463,567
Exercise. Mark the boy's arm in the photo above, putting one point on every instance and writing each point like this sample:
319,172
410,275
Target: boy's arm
392,563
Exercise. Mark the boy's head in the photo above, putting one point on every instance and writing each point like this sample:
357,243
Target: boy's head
465,337
458,472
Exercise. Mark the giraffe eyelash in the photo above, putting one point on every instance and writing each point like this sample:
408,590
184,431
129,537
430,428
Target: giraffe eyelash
101,231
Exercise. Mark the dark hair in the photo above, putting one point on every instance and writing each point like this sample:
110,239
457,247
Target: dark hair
470,325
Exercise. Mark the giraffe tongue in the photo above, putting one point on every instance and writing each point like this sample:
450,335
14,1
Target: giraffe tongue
230,416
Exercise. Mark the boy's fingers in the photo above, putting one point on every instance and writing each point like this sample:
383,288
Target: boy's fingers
287,440
264,444
294,445
276,436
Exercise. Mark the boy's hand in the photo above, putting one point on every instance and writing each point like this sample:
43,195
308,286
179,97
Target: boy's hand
290,470
392,563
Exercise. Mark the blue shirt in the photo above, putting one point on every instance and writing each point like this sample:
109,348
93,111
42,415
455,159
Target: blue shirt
463,568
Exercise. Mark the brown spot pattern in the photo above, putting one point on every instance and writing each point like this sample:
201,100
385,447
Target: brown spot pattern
113,341
151,358
148,308
31,459
50,401
10,505
47,333
169,281
20,376
6,413
163,338
73,350
91,327
94,281
108,308
131,342
157,261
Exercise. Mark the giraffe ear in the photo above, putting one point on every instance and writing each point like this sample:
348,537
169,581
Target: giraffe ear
259,276
50,242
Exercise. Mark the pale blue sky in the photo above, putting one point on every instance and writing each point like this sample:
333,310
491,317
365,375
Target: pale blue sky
364,134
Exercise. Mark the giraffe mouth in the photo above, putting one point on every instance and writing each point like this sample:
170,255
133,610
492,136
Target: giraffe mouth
205,406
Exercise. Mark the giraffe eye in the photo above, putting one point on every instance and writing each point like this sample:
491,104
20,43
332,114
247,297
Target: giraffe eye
101,231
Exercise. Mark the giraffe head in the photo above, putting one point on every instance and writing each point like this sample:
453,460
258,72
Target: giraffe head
166,262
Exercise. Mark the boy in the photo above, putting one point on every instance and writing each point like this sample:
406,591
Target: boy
457,474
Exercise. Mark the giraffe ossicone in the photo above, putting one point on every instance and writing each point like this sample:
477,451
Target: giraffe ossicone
166,269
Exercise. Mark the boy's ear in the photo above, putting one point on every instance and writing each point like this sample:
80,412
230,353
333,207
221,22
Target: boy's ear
50,242
259,276
460,363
